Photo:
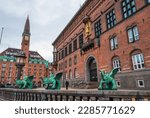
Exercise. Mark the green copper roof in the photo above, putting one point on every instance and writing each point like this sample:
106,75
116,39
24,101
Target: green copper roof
39,61
7,58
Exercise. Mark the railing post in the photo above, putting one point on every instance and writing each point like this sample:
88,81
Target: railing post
64,98
53,97
77,98
35,97
15,97
38,97
71,98
59,98
43,97
85,98
50,97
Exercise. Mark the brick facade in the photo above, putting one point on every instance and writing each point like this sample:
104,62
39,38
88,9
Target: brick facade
126,20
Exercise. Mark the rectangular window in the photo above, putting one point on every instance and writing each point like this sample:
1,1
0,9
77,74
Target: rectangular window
141,83
81,40
133,34
138,61
75,59
118,83
147,1
66,51
62,54
128,8
116,64
75,45
111,19
66,64
59,56
70,48
97,27
70,62
114,43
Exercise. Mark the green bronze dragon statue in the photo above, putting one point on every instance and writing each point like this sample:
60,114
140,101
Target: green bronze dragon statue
27,82
53,82
107,80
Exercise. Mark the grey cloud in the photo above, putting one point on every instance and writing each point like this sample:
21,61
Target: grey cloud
47,20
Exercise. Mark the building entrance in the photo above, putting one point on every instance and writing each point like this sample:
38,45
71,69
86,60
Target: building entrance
92,69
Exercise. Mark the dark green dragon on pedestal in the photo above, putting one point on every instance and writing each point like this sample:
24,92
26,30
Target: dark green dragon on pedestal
26,83
108,81
53,82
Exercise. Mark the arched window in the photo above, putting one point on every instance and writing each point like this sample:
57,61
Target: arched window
113,43
70,74
65,75
137,60
75,73
70,62
116,63
75,59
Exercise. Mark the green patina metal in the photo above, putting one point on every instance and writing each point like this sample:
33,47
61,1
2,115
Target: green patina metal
108,81
53,82
46,63
27,82
7,58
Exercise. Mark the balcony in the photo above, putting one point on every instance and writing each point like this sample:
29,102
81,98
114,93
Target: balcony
87,46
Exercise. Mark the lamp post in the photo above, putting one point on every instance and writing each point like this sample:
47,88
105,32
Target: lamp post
20,63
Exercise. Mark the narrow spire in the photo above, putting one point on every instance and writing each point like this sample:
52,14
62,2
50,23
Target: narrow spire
27,27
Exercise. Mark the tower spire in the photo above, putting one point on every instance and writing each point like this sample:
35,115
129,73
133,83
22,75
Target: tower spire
27,27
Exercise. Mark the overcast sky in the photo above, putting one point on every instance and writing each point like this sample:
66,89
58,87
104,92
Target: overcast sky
47,19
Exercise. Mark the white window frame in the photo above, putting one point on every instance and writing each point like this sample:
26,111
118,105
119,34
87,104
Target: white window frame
141,86
117,64
118,85
114,43
133,34
130,36
66,75
70,75
75,73
138,61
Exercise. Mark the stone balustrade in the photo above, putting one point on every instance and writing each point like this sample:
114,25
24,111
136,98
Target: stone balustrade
68,95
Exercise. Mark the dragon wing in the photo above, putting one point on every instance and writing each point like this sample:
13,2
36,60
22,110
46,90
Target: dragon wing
113,72
58,76
102,74
30,78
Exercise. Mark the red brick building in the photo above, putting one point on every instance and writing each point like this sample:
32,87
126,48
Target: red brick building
8,70
102,35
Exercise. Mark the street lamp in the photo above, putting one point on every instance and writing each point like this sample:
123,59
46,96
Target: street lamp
20,63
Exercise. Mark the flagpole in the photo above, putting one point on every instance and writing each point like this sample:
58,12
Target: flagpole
1,35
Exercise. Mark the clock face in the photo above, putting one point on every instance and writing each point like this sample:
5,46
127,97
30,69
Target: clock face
26,38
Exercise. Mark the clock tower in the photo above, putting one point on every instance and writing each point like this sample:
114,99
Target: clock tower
26,36
26,43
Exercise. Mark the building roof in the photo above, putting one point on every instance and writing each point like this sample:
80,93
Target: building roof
15,52
27,27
